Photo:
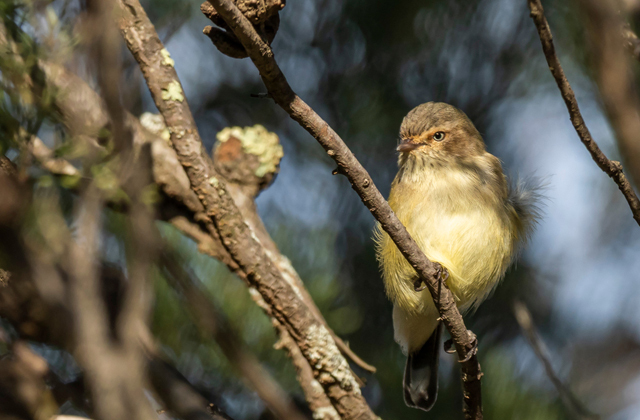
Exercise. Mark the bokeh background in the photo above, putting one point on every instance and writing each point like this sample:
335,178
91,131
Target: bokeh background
362,65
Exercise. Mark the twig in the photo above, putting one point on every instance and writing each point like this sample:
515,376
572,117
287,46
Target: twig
112,357
604,26
23,392
179,396
223,218
523,316
213,324
277,85
611,168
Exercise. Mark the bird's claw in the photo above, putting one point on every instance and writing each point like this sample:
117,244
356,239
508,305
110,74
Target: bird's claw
448,347
419,285
442,272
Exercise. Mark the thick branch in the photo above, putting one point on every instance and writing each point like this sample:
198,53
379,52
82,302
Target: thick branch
169,174
83,111
312,337
429,272
611,168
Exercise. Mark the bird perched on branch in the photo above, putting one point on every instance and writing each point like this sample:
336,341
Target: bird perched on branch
454,199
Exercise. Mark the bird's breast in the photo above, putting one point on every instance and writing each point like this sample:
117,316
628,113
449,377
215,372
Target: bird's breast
458,221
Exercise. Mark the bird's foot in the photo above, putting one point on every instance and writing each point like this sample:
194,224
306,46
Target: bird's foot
449,348
441,273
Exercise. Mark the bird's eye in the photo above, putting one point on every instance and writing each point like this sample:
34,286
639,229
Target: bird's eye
439,136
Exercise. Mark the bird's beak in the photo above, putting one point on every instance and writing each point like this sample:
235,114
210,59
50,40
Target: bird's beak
406,145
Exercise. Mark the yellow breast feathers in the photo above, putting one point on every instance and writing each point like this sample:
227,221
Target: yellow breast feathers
460,217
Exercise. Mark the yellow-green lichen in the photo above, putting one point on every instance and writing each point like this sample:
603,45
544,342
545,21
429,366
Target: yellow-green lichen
173,92
258,141
155,124
166,58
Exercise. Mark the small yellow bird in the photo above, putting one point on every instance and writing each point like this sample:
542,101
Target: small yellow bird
454,200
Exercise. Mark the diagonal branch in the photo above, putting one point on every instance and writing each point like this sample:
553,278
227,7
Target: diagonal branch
610,167
212,323
429,272
223,218
523,316
615,79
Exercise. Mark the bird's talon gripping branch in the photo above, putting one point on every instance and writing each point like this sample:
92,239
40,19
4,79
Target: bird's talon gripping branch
473,351
442,272
448,346
419,285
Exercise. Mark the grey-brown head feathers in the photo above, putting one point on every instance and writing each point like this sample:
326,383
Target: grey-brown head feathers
432,114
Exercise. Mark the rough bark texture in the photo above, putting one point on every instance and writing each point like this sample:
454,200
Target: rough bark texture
610,167
180,206
312,337
263,15
279,89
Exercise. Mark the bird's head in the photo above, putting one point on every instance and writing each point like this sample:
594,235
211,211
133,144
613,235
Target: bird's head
438,132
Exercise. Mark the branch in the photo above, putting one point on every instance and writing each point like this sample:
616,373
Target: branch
176,393
611,168
179,396
213,324
23,392
523,316
604,26
224,219
429,272
84,112
168,174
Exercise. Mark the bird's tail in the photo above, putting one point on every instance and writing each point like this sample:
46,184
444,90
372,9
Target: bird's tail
421,373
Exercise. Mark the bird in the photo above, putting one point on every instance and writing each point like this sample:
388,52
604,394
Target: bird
455,201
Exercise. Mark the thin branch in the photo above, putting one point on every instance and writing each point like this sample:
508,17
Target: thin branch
176,393
23,392
213,324
317,400
615,78
610,167
429,272
112,357
224,219
523,316
179,396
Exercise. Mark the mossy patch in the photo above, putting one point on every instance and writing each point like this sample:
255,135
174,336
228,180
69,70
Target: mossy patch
257,141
